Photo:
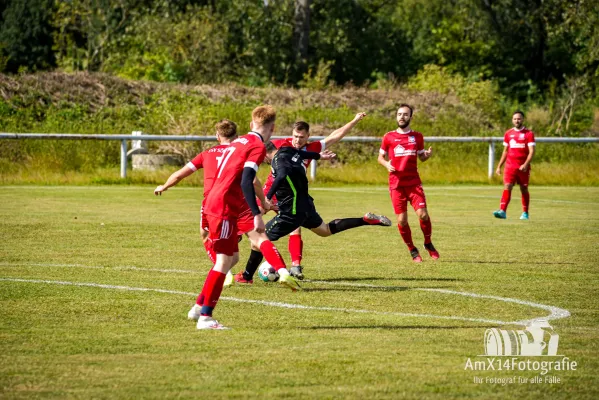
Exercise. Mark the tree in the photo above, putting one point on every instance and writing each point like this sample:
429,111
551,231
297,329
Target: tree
26,35
301,33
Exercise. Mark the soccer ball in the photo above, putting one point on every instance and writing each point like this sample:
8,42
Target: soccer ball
267,273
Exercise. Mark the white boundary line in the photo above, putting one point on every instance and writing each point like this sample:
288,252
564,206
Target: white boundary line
262,302
555,312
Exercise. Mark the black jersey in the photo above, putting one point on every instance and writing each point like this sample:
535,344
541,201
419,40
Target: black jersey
290,182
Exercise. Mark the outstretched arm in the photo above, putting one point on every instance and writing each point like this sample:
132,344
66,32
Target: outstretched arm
338,134
172,180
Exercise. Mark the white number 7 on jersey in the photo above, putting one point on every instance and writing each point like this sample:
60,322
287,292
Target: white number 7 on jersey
222,160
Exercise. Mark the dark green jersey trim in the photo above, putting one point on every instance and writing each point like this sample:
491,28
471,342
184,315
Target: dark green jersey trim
294,194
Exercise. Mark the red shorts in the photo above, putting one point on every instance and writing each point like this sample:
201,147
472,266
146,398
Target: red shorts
223,234
402,194
513,176
245,222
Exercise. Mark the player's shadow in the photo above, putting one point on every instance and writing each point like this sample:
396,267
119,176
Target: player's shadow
394,327
511,262
370,288
395,278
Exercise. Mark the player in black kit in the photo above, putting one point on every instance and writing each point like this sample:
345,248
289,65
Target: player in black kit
296,206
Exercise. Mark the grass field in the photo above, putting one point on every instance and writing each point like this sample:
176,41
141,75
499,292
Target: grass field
374,324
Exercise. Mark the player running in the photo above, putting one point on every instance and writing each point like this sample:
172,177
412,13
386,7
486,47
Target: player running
296,206
399,154
299,140
519,149
232,189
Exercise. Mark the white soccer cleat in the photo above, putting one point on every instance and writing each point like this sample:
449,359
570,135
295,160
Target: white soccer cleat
194,313
210,323
229,280
374,219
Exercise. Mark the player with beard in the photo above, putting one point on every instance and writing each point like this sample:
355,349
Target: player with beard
518,151
399,154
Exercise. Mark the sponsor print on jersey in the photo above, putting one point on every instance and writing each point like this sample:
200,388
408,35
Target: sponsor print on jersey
516,145
400,151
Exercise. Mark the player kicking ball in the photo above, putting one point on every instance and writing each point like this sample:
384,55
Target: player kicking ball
399,154
518,151
296,206
299,140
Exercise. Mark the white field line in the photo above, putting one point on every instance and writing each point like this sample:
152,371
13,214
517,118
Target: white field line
262,302
555,312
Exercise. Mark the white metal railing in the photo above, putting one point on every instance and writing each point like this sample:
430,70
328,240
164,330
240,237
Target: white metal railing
364,139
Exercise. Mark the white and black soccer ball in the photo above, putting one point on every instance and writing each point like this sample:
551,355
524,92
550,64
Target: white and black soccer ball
267,273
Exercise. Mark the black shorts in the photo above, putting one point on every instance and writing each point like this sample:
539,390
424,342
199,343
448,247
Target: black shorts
285,223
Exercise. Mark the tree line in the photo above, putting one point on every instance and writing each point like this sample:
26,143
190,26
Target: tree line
528,47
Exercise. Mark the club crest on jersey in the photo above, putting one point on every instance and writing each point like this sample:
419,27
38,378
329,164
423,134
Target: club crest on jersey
522,136
411,139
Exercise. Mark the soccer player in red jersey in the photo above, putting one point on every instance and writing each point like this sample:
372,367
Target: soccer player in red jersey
299,140
226,132
399,154
518,151
232,190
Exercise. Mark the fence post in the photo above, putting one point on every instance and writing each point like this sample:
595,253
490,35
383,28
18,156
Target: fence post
313,170
123,158
491,158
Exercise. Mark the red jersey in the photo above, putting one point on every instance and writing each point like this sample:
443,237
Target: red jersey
403,150
316,147
517,143
226,197
208,160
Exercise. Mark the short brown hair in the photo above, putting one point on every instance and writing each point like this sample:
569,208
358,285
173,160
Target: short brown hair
406,106
264,115
226,128
301,126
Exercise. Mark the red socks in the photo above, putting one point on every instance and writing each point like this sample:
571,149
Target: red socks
210,251
296,246
213,287
272,255
505,199
427,229
525,201
406,235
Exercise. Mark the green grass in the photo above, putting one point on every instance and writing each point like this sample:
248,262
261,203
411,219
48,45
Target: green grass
65,341
579,173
